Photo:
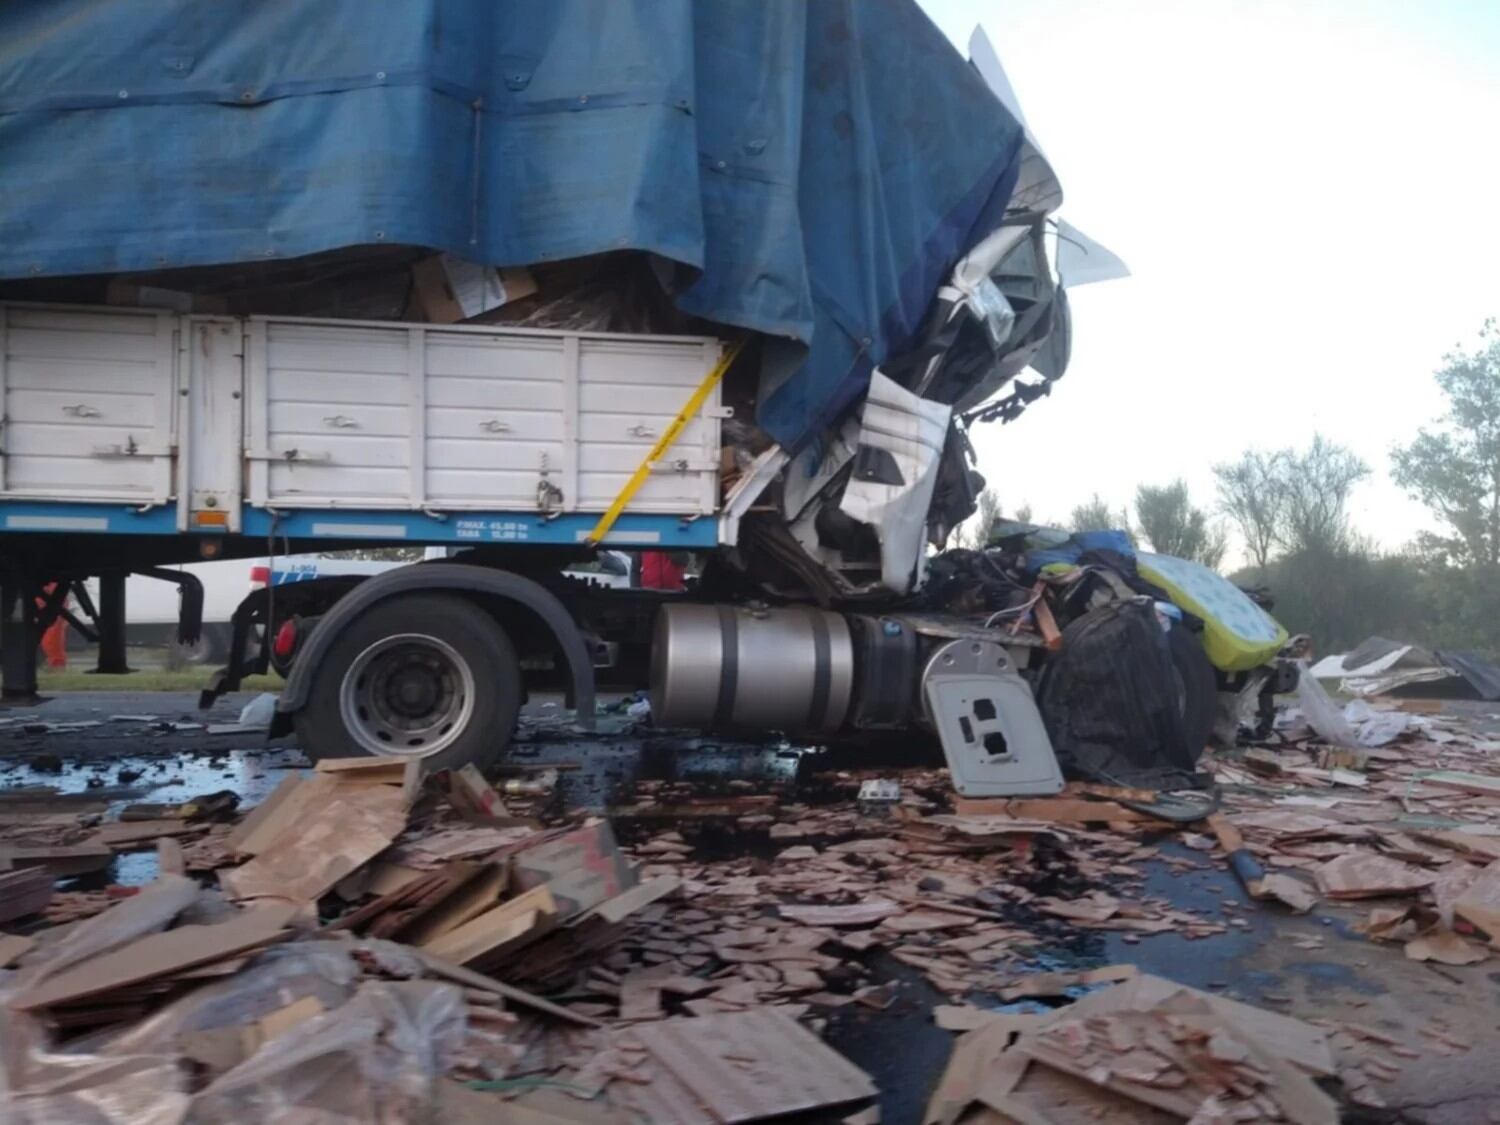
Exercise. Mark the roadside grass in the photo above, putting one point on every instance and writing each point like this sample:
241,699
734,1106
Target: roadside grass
147,679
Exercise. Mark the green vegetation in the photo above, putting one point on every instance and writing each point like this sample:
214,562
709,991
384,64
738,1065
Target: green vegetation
150,679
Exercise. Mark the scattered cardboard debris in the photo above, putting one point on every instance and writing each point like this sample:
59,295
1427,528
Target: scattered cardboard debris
742,1066
1367,875
24,892
1446,948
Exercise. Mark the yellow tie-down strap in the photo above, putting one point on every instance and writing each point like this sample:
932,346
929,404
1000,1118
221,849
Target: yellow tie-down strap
663,443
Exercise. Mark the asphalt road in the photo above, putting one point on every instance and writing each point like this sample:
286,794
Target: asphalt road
156,747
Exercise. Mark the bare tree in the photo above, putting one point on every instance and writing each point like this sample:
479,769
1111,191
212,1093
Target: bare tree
1172,526
1251,493
1316,487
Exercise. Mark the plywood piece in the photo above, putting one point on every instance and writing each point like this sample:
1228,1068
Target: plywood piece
325,844
1477,783
494,930
24,892
477,896
1295,1040
157,955
289,803
1362,874
745,1066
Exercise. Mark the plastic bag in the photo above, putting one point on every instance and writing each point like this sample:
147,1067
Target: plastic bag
373,1060
280,976
1321,712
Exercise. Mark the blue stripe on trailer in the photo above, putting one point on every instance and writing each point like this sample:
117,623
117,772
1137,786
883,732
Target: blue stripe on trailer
110,519
637,530
631,530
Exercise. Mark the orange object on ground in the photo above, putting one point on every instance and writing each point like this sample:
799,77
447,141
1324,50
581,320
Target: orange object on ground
55,639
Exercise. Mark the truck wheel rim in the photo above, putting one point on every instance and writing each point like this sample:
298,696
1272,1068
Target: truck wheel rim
409,695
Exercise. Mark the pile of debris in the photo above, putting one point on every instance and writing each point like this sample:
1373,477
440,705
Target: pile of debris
371,944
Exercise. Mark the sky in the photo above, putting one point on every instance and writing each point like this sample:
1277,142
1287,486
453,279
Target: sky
1307,193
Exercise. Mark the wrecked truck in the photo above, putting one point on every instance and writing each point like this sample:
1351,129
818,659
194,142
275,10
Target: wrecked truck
731,280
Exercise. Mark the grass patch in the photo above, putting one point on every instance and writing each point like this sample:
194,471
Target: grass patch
148,679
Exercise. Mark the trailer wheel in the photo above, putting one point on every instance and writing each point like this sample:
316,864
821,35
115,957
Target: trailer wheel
426,676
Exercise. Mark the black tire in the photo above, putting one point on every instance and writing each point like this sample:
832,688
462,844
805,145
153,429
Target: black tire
444,626
1199,687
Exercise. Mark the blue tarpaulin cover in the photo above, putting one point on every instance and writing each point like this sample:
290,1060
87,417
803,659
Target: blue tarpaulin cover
818,164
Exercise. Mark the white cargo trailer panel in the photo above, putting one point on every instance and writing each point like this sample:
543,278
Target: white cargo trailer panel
90,410
283,414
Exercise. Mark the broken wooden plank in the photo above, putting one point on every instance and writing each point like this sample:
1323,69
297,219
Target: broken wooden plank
441,966
24,892
76,859
478,895
124,833
157,955
503,927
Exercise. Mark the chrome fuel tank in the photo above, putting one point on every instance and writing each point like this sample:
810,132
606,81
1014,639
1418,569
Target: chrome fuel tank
724,667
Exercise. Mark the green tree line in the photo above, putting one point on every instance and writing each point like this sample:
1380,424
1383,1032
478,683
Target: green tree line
1290,508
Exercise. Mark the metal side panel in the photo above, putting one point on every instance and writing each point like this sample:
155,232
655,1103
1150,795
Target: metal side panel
466,418
88,404
337,407
628,393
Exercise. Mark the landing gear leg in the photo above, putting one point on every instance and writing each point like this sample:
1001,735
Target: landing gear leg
112,625
18,639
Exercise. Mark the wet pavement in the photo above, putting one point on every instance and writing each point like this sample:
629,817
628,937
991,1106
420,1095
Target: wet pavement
131,747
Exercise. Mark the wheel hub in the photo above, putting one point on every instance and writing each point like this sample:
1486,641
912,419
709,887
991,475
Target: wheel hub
410,694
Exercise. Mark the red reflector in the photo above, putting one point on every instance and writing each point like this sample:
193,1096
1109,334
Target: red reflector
286,639
260,575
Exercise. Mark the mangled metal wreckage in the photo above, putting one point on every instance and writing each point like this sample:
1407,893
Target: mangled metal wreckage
733,278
